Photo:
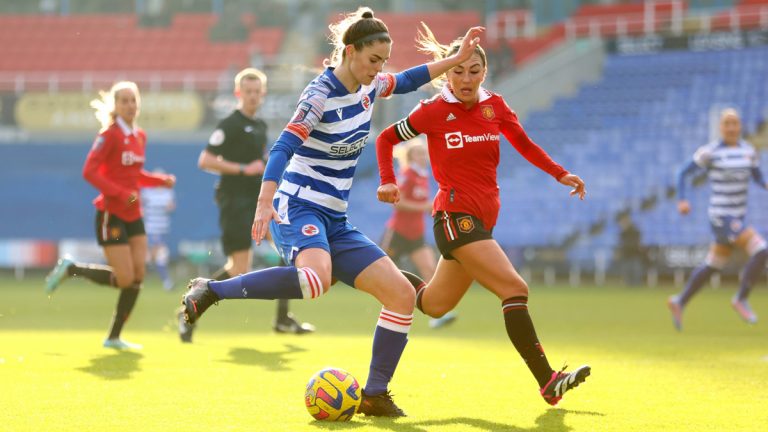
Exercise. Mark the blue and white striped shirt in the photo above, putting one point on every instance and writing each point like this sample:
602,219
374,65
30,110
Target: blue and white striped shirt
729,169
327,134
157,203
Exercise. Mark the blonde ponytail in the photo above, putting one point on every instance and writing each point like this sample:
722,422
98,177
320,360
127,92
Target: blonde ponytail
427,43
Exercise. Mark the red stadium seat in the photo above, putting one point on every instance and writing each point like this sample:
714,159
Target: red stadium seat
115,42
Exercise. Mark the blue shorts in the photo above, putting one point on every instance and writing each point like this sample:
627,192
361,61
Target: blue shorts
726,229
306,226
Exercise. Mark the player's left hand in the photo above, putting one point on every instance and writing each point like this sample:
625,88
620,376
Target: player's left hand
388,193
576,183
468,44
170,181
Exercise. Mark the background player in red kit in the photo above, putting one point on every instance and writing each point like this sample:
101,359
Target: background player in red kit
114,166
404,235
463,124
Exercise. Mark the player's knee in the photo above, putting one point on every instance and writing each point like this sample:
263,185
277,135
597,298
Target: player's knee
404,297
138,274
516,288
124,280
326,282
715,260
408,294
313,284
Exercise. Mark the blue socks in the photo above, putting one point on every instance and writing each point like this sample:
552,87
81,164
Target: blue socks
267,284
697,280
389,340
752,272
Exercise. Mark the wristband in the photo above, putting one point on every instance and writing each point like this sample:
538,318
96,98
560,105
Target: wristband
242,169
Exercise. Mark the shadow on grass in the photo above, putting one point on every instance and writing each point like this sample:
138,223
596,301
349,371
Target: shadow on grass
551,420
118,365
275,361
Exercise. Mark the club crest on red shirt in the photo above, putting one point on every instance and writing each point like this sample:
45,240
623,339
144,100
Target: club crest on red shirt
309,230
366,101
487,111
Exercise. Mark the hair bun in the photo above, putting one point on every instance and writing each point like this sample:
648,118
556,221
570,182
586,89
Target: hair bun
367,14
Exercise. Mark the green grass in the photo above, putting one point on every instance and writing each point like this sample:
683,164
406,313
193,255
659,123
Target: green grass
238,375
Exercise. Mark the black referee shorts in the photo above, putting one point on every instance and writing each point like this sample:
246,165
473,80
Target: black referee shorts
453,230
236,211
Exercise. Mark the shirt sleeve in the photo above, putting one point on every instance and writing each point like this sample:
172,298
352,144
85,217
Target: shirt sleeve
396,133
148,179
402,82
97,156
691,167
216,140
308,113
514,132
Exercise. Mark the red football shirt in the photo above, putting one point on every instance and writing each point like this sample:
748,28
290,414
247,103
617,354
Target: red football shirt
114,166
464,150
414,187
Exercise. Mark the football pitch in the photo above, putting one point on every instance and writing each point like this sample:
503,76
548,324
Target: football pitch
240,376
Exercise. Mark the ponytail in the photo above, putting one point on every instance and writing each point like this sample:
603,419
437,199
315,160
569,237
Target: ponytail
358,29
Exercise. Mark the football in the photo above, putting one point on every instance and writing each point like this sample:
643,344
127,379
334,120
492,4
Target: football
332,395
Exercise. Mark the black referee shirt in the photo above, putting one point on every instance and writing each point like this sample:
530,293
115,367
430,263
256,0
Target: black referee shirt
242,140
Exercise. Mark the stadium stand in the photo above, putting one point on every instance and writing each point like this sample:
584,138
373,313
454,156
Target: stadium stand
117,43
628,134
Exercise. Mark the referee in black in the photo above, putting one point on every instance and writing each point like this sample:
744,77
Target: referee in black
236,151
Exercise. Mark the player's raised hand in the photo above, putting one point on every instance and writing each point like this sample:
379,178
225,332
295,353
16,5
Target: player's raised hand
683,207
470,41
170,181
388,193
265,213
576,183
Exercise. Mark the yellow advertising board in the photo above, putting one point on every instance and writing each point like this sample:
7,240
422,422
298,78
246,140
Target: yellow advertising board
69,112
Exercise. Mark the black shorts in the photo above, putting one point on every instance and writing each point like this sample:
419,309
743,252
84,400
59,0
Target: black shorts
397,246
453,230
236,211
111,230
